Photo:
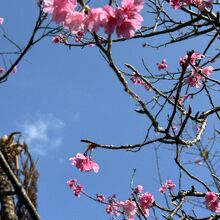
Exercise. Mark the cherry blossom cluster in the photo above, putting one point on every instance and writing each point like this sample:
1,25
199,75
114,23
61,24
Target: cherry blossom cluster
14,70
137,81
201,4
198,73
84,163
129,207
77,188
212,202
1,21
163,65
125,20
167,185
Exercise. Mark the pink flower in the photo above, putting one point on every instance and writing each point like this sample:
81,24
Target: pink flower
77,189
194,57
139,189
59,39
112,209
110,22
71,183
79,36
163,65
146,200
212,202
100,198
135,79
170,184
95,19
193,81
74,21
14,70
59,8
128,18
48,6
129,207
1,21
177,4
84,163
2,70
207,70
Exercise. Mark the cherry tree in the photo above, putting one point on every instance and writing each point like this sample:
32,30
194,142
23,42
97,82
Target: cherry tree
166,99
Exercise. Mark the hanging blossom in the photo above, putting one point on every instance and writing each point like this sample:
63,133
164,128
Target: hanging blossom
129,208
112,206
145,202
2,70
15,69
195,56
201,4
84,163
1,21
163,65
59,39
197,76
128,18
100,198
212,202
77,188
167,185
139,189
137,81
125,20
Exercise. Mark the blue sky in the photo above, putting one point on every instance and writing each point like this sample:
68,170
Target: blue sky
60,96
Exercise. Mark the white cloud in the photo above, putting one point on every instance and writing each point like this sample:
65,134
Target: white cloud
42,133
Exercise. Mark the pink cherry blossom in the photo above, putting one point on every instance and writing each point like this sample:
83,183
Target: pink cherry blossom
212,202
84,163
136,80
14,70
110,21
100,198
207,70
167,185
74,21
146,200
112,209
59,8
59,39
1,21
95,18
193,58
177,4
77,189
193,81
163,65
112,206
128,18
139,189
79,36
71,183
2,70
129,207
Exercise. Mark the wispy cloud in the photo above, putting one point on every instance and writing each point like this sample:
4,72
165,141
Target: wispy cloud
42,133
